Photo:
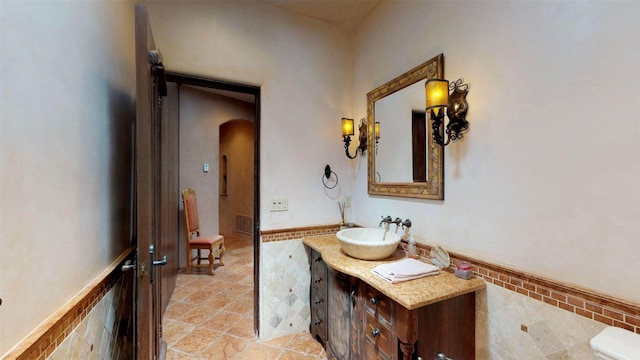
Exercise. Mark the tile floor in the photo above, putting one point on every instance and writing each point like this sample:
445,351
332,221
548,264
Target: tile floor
211,317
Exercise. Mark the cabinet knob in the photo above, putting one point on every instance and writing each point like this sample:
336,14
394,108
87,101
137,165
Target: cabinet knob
317,259
375,300
317,301
375,332
317,280
317,322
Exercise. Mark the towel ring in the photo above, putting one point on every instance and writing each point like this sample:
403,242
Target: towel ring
327,176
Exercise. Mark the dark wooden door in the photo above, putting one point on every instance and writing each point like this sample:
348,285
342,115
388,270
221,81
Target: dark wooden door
419,145
156,193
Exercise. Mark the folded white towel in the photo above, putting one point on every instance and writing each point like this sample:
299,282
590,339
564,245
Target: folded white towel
404,270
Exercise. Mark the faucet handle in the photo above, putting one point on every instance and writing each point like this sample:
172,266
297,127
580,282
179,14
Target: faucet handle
385,220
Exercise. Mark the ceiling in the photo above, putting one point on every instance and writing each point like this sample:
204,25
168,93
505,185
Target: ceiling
344,13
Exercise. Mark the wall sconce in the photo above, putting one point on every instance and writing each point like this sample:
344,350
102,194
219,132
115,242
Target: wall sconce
438,97
347,132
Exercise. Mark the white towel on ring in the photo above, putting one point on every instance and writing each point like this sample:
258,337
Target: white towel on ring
404,270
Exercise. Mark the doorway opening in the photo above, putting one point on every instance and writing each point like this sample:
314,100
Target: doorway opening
237,219
236,185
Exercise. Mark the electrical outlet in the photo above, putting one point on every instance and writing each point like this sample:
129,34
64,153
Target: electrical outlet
347,201
279,204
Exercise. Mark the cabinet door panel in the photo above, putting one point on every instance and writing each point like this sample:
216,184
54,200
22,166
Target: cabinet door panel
449,327
339,314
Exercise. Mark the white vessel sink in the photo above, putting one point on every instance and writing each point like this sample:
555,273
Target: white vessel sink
368,243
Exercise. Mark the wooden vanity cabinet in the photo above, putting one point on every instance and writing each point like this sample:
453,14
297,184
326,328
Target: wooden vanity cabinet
318,297
358,315
354,320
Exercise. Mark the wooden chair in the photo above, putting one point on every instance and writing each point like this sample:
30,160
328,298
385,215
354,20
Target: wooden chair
213,243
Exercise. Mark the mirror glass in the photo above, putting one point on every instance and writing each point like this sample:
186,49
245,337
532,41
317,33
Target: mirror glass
394,157
404,161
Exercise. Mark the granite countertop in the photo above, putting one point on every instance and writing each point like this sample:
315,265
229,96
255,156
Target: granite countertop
412,294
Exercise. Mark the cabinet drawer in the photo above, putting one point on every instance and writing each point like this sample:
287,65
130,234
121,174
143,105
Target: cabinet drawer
319,280
378,304
377,335
371,353
317,265
318,305
319,326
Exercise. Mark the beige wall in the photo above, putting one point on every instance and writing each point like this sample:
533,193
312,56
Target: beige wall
237,141
547,179
67,108
303,67
201,114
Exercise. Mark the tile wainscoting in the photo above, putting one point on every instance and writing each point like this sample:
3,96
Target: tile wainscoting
96,324
583,302
284,280
513,326
519,315
524,316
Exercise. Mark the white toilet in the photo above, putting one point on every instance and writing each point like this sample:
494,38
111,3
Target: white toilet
614,343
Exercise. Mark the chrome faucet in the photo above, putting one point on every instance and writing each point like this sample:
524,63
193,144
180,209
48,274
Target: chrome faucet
397,221
386,220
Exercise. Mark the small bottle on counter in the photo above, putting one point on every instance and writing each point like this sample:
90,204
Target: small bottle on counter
411,248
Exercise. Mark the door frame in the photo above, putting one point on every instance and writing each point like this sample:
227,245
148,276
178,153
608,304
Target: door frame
194,80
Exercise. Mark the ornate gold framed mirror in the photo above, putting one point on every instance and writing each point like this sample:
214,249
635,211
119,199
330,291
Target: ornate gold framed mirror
403,158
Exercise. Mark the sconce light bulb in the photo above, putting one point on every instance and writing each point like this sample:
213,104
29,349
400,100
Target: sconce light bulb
437,93
347,127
